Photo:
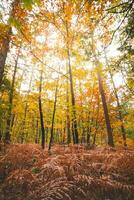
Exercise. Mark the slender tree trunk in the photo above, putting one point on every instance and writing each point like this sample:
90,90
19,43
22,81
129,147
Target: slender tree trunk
103,97
47,131
107,120
89,118
81,118
0,134
24,123
53,117
68,118
4,48
91,122
11,94
37,133
74,119
25,109
118,103
42,124
97,116
41,114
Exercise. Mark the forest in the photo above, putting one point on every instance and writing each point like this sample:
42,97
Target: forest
66,99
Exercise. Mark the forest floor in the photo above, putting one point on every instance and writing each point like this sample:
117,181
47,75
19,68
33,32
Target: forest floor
68,173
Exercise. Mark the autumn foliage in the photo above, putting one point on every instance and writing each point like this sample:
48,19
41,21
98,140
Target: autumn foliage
73,172
66,100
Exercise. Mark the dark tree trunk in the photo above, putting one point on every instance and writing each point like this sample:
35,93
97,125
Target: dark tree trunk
53,117
46,131
89,118
107,120
74,119
11,94
4,46
36,128
68,118
96,126
37,133
103,98
88,137
41,114
118,103
23,124
81,118
0,135
91,124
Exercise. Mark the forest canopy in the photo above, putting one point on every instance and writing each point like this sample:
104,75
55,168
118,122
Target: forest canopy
66,72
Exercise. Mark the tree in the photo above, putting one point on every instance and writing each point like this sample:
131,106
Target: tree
53,117
41,112
118,103
68,115
11,95
108,125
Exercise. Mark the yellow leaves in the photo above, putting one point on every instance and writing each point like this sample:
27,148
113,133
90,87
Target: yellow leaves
98,67
80,73
50,86
115,1
3,27
131,82
116,124
3,31
48,15
17,105
129,119
68,12
56,126
62,52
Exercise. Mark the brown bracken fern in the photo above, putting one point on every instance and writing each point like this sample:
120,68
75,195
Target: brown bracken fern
29,173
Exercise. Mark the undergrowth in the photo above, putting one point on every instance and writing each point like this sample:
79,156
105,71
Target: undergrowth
69,173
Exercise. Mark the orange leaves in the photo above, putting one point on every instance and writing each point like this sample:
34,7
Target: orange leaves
4,29
68,11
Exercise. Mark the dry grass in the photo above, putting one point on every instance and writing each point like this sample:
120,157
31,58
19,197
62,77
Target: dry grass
69,173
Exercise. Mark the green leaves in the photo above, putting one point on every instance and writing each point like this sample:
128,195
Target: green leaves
35,170
28,4
14,22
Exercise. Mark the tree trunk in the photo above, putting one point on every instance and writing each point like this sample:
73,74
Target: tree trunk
91,123
103,98
53,117
89,118
68,118
37,133
74,120
24,123
41,114
118,103
96,126
4,47
107,120
81,118
11,94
